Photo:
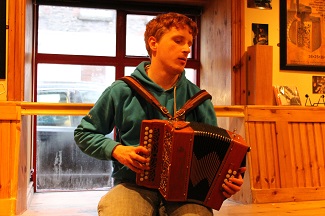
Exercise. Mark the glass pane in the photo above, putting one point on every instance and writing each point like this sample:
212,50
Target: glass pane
190,74
128,70
83,76
76,31
60,163
135,28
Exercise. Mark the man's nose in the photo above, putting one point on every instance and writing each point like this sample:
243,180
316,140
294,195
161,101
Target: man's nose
186,48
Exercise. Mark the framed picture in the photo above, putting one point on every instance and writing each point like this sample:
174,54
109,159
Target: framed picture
302,35
318,85
287,95
260,34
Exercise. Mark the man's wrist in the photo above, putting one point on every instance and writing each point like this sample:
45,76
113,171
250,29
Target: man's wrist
114,154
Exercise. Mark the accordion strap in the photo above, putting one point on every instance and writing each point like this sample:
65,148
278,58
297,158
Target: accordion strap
194,101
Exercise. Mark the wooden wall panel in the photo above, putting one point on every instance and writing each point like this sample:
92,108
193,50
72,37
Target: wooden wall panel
320,151
9,166
215,56
9,159
264,155
287,153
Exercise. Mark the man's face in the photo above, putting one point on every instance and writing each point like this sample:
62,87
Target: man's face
173,49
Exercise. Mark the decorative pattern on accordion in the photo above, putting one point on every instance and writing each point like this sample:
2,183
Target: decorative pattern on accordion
167,150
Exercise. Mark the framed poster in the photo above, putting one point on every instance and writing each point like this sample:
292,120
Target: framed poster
3,39
302,35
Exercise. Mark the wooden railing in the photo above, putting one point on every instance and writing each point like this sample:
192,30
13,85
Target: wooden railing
54,108
82,109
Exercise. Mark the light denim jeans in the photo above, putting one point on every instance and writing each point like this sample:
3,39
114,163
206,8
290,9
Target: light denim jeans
131,200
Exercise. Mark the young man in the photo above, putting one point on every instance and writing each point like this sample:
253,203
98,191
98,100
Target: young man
168,39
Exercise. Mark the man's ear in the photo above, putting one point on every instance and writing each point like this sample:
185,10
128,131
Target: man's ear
152,41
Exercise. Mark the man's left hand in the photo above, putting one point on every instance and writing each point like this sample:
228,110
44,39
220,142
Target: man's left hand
233,185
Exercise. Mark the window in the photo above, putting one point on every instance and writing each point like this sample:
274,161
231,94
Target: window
76,31
79,52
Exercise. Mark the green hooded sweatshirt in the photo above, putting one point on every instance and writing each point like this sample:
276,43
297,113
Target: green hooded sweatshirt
121,108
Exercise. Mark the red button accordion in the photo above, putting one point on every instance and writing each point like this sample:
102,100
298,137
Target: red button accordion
190,161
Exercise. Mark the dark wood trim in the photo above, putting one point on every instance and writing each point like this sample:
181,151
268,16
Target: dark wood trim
3,39
238,59
16,50
131,6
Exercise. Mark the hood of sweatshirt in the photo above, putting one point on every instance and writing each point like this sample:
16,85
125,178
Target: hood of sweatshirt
141,75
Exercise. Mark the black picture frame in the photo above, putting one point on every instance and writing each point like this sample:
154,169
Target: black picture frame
294,53
3,40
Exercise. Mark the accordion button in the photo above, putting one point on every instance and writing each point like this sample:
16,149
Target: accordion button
141,179
227,176
229,171
146,177
146,128
234,172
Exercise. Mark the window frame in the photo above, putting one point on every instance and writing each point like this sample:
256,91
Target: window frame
121,60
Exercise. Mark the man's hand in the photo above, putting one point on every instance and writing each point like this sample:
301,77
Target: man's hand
132,157
234,184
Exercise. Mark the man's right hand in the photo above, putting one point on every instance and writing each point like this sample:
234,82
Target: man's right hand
132,157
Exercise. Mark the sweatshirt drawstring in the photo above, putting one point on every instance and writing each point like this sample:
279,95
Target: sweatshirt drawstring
175,107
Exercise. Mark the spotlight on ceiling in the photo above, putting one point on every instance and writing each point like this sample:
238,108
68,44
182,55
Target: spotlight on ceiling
259,4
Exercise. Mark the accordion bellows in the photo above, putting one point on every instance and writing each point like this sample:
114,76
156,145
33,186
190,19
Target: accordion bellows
190,161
